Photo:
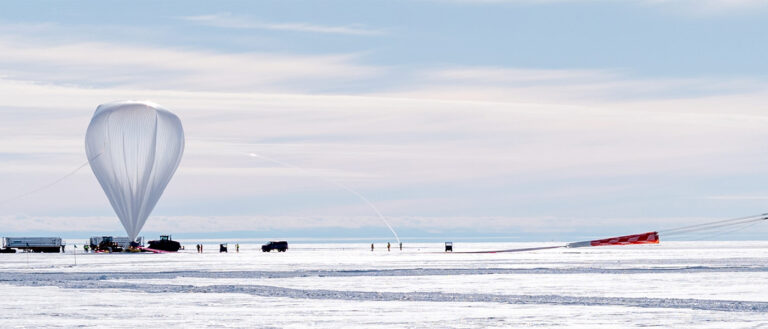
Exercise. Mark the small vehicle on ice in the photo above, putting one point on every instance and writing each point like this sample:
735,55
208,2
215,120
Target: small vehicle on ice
165,244
108,244
280,246
112,243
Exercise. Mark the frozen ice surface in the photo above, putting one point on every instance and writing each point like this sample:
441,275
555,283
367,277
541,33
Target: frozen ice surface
672,285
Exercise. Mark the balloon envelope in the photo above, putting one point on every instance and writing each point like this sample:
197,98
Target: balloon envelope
133,149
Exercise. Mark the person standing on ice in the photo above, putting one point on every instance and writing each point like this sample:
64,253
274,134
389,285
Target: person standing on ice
401,246
237,247
388,246
371,246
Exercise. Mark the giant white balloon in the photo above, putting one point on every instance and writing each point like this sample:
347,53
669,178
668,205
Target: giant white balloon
133,149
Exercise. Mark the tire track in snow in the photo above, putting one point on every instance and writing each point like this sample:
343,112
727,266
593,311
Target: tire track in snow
26,276
71,281
271,291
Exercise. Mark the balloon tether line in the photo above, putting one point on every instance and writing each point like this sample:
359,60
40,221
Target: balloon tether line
337,184
9,200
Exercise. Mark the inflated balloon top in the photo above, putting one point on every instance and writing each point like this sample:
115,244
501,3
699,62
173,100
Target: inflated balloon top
133,149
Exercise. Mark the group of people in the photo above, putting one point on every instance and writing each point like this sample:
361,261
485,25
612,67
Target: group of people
389,246
200,248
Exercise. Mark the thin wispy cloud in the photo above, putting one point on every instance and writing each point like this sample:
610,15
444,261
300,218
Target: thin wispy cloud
208,224
695,7
736,197
237,22
575,86
519,75
114,64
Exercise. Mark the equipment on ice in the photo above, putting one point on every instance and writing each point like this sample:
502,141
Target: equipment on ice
121,242
165,244
33,244
645,238
108,244
652,237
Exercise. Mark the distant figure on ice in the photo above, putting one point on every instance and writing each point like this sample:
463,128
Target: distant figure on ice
401,246
371,246
237,247
388,246
198,248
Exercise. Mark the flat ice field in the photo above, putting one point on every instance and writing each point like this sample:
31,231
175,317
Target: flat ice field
672,285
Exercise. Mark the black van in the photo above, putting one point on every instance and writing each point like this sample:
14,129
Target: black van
281,246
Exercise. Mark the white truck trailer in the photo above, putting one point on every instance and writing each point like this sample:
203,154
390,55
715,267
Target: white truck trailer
34,244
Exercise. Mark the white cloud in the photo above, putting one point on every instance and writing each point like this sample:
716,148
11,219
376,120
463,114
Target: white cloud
207,224
712,4
569,86
372,144
445,129
237,22
497,75
112,64
736,197
695,7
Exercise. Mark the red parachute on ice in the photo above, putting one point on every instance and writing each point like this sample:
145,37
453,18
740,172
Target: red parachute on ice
717,227
644,238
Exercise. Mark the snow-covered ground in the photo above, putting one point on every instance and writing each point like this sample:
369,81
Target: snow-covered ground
672,285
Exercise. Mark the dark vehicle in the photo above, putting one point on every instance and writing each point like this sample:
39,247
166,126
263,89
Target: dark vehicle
165,243
223,247
108,244
280,246
449,246
122,241
7,250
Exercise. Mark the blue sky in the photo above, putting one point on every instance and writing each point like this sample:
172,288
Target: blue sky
524,118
